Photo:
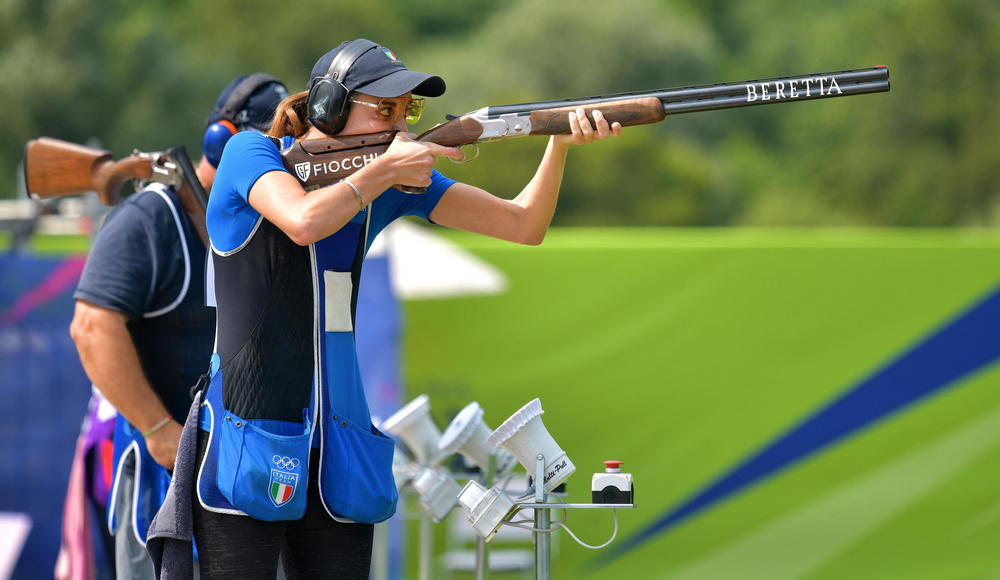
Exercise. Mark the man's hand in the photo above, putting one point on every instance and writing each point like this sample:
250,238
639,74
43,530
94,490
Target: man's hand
162,444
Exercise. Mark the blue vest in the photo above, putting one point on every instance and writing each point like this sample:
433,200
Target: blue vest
285,378
149,484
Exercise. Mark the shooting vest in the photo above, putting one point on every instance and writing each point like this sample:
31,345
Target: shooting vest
285,378
172,343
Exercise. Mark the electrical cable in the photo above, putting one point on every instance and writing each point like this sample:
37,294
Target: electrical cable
502,485
557,525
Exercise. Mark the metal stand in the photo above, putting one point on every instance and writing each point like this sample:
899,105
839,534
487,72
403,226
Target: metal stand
380,555
426,546
543,540
543,519
482,553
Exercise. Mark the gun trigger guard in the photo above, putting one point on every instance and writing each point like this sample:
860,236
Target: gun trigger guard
465,150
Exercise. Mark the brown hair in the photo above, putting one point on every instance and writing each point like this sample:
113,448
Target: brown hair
290,118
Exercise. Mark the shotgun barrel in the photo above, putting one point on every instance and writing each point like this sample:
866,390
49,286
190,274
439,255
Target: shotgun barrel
728,95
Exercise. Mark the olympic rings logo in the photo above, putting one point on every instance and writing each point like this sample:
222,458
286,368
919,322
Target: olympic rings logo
286,462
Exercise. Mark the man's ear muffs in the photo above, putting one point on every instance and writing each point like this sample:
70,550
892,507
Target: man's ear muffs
214,142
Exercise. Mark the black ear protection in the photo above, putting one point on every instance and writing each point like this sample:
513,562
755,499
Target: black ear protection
218,133
327,100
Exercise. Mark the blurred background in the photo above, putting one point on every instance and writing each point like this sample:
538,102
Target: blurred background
144,75
808,392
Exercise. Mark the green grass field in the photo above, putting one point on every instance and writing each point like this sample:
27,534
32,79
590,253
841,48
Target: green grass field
680,352
42,244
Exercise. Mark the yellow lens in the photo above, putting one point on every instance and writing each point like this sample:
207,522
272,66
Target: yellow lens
414,110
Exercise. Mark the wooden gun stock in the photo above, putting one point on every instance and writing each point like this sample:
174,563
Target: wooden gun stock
457,132
54,168
640,111
321,162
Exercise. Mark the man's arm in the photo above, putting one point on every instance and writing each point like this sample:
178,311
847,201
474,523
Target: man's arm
112,364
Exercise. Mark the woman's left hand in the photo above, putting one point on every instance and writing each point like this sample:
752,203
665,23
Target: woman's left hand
585,131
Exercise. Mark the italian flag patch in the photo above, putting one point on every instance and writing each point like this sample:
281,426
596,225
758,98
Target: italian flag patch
282,487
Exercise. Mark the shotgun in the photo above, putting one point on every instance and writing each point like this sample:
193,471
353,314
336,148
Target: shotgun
320,162
54,168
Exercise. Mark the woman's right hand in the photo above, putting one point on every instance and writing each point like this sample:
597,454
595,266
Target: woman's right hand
411,162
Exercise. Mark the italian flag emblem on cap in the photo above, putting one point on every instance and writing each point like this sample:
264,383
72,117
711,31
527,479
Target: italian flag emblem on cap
389,54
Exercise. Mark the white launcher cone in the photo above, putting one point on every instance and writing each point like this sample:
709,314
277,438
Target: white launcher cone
524,435
467,434
413,424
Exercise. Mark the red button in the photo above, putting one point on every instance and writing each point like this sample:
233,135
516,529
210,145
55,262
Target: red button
613,464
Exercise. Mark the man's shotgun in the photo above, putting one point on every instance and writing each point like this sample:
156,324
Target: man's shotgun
54,168
324,161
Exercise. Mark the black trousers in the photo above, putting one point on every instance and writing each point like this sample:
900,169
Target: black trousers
316,546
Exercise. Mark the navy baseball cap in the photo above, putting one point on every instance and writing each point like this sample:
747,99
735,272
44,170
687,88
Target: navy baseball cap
379,73
249,101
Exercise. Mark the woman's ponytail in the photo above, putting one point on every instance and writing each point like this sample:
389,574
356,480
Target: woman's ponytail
290,119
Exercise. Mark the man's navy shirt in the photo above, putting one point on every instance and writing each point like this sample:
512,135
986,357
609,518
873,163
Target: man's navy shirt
148,263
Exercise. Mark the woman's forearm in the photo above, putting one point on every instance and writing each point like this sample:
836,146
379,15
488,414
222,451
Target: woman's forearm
539,197
328,209
307,217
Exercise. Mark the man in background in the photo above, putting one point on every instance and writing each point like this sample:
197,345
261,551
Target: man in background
142,326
